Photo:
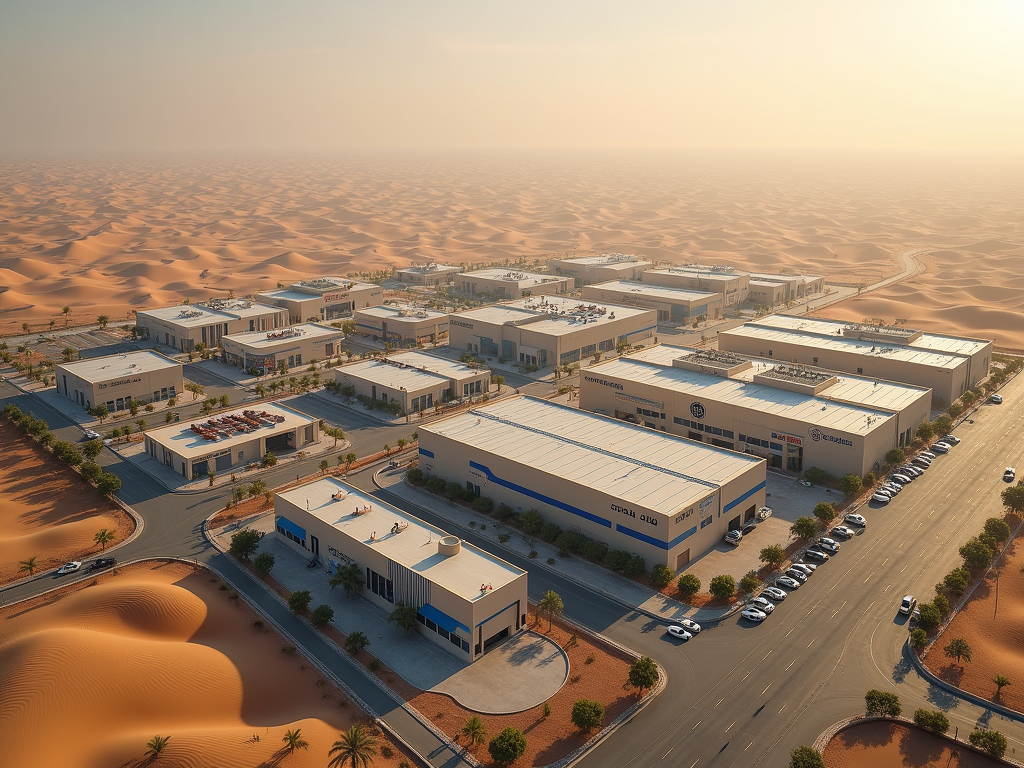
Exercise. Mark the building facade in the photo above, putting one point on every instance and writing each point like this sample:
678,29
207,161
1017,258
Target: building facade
643,491
429,275
466,600
233,440
119,380
732,284
550,330
795,287
294,346
323,299
675,306
586,270
186,326
511,284
403,323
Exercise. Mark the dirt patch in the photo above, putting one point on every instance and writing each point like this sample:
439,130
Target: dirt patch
159,648
992,623
238,511
883,744
47,510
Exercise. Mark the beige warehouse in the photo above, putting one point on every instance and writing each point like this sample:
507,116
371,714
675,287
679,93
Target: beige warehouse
323,299
466,600
294,346
643,491
511,284
586,270
119,380
550,330
403,323
186,326
732,284
675,306
428,274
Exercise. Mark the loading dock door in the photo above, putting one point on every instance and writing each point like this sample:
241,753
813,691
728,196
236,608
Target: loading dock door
224,462
496,638
277,442
734,524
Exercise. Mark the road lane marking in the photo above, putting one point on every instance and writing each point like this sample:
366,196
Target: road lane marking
790,665
808,645
869,577
695,725
904,567
766,688
887,589
748,746
719,702
666,754
695,762
783,707
766,655
901,545
730,726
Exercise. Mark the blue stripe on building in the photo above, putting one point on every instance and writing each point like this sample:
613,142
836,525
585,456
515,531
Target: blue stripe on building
653,541
442,619
539,496
291,527
744,497
425,452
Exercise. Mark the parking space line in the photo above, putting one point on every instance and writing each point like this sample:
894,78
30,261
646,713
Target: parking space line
666,754
869,577
887,589
766,688
808,645
789,665
730,726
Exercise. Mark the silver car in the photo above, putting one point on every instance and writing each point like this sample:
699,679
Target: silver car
787,582
796,573
752,614
774,593
762,604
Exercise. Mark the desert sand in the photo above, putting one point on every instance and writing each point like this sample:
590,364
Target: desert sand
91,675
992,623
889,745
105,235
47,510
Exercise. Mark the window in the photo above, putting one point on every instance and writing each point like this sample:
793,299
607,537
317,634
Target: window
769,353
815,360
379,585
860,370
292,536
588,350
298,359
241,455
163,393
606,345
172,392
569,357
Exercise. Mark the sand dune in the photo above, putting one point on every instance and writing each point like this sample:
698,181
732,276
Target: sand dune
155,232
91,675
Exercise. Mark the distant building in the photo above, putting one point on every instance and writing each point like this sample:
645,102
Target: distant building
766,293
732,284
428,274
323,299
294,346
403,323
119,380
795,287
186,325
675,306
600,269
466,600
550,330
231,440
511,283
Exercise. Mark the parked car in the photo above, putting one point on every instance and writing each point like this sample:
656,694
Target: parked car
922,462
940,448
854,519
797,574
774,593
951,440
805,483
807,568
816,554
911,470
764,513
678,632
788,583
928,455
881,498
71,567
1010,474
900,479
762,604
91,435
690,626
997,399
733,537
842,530
749,528
829,545
101,563
908,604
895,488
752,614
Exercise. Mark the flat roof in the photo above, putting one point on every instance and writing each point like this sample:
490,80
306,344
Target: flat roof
559,314
188,444
765,283
659,471
870,393
402,313
659,291
605,260
809,409
279,336
957,345
777,276
192,315
706,274
116,366
522,279
906,354
426,269
415,547
411,370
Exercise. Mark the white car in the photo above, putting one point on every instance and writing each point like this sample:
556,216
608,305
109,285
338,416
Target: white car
764,513
733,537
71,567
762,604
997,399
797,575
854,519
922,462
881,498
807,568
690,625
787,582
928,455
752,614
774,593
828,545
842,530
805,483
816,554
1010,475
90,435
940,448
678,632
951,440
908,604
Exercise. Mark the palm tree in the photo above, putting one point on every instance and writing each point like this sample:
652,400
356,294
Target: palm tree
355,747
348,577
293,740
28,565
475,731
404,617
104,537
67,313
958,649
157,745
103,320
1001,682
551,604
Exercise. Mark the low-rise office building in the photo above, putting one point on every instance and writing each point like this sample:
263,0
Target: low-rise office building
586,270
792,416
187,325
119,380
294,346
511,284
795,287
948,365
766,293
403,323
732,284
428,274
550,330
415,381
675,306
644,491
323,299
231,440
466,599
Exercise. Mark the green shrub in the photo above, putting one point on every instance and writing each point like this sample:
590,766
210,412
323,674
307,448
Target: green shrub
587,714
264,562
415,476
244,543
895,456
976,553
850,485
594,550
723,587
322,615
918,639
816,475
997,528
454,491
91,471
550,532
504,513
531,521
634,566
869,479
482,504
942,604
617,559
508,746
750,582
108,484
932,720
569,541
299,601
930,617
661,575
957,580
806,757
991,742
882,704
435,484
688,585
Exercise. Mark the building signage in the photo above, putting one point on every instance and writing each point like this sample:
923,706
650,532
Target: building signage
343,558
705,507
787,438
461,324
683,515
630,513
639,400
604,382
697,411
329,297
120,383
213,455
818,436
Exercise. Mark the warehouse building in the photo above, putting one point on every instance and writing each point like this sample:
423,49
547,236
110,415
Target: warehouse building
511,284
587,270
794,417
732,284
323,299
430,275
766,293
675,306
795,287
294,346
415,381
466,600
119,380
948,365
403,323
550,330
231,440
663,497
187,325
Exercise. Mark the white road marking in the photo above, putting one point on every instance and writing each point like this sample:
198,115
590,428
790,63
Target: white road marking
808,645
790,665
766,688
869,577
887,589
730,726
667,753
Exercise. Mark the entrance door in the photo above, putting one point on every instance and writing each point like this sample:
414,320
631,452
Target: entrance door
682,558
314,545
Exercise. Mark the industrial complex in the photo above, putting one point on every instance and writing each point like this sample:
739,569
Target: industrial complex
466,599
293,346
403,323
119,380
187,325
645,491
511,284
323,299
730,283
675,306
428,274
599,269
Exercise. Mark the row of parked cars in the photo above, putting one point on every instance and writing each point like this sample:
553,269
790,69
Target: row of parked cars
906,474
99,564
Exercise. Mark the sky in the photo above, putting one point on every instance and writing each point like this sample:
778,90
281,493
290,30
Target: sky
140,76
